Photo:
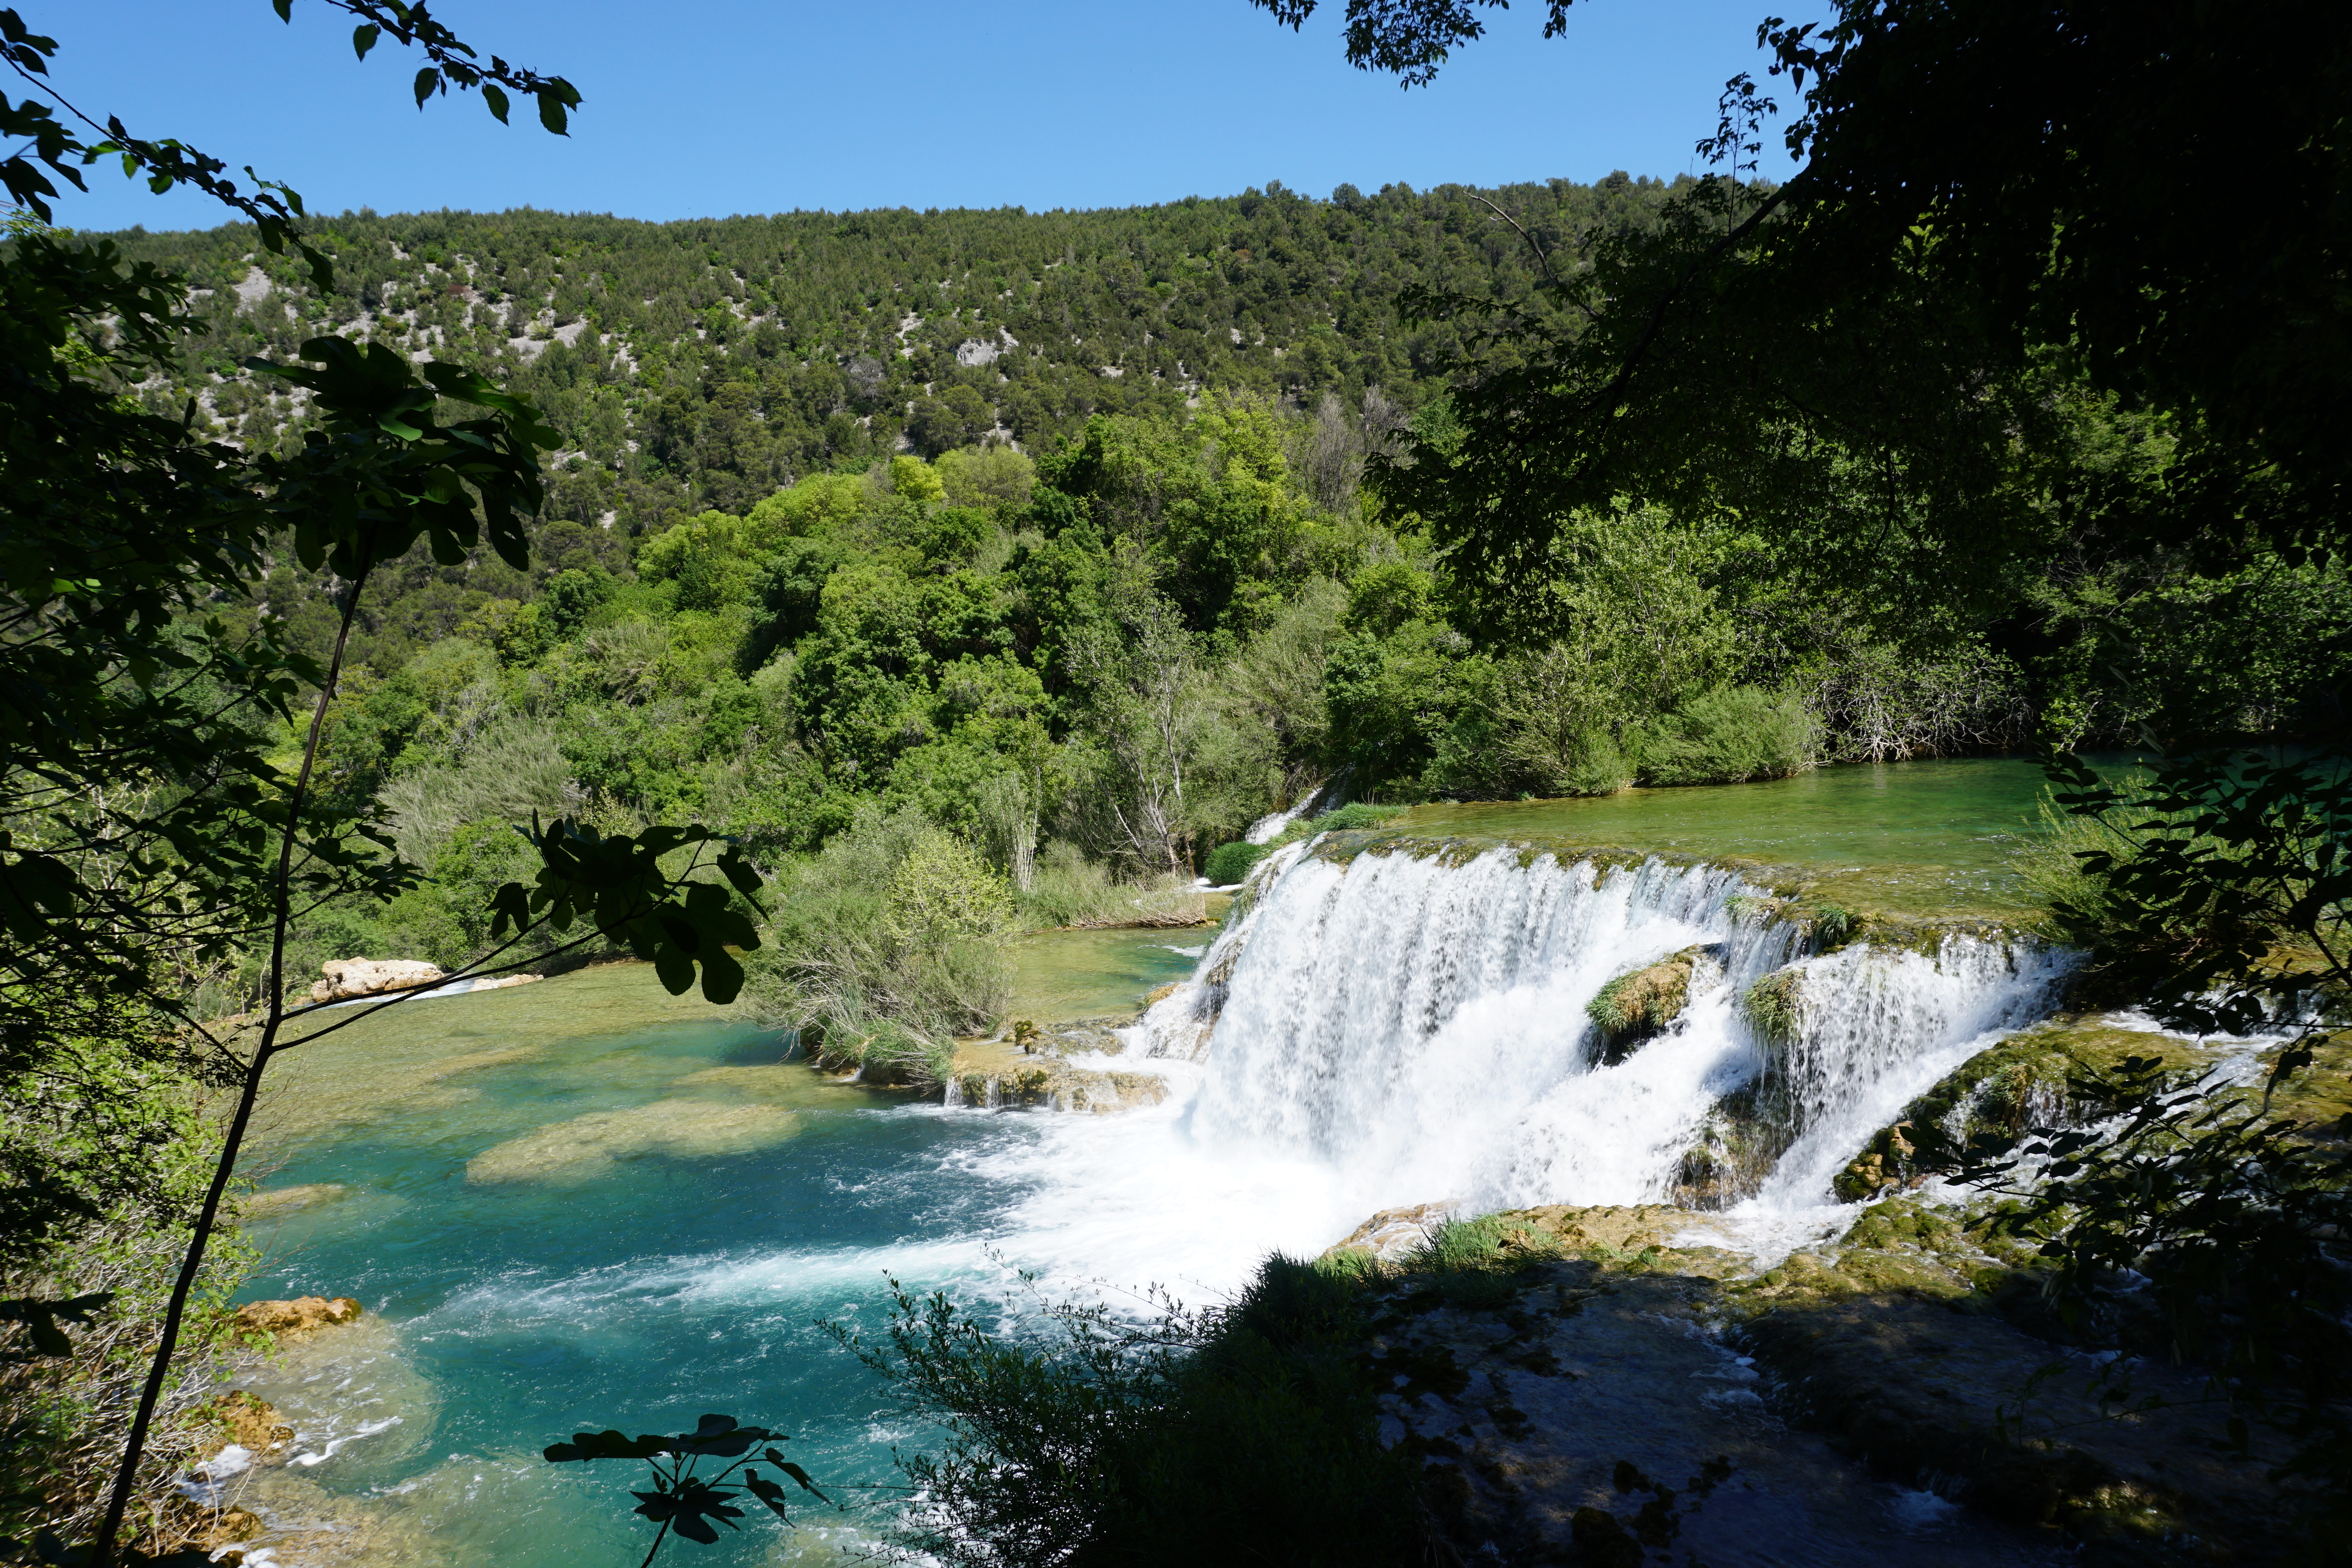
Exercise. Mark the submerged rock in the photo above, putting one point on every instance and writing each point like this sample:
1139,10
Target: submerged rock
233,1526
337,1396
585,1145
275,1203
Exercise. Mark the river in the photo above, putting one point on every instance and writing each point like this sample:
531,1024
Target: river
582,1203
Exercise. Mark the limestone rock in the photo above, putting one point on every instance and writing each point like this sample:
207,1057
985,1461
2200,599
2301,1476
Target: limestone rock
252,1424
1040,1075
1393,1232
303,1315
234,1525
349,977
2024,1080
1883,1164
1639,1006
276,1202
1590,1411
1918,1390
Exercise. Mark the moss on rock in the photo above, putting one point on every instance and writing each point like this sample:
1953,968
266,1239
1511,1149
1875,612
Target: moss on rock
2019,1082
1774,1006
1641,1005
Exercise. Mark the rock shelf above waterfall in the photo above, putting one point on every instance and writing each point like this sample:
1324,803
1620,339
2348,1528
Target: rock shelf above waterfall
2030,1080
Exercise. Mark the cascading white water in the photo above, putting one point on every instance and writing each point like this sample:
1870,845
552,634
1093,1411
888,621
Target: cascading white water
1323,796
1395,1030
1398,1030
1408,1020
1420,1026
1879,1027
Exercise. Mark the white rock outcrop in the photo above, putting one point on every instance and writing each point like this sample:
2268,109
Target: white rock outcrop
348,978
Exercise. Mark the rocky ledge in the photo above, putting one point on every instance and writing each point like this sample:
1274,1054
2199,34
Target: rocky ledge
1039,1074
1596,1384
215,1509
347,980
303,1315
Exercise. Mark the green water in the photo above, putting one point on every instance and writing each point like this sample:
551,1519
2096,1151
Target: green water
1060,974
1927,837
583,1203
578,1204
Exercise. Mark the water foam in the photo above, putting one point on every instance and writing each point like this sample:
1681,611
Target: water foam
1402,1030
1398,1030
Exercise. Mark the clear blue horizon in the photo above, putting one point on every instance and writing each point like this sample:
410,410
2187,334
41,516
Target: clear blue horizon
732,108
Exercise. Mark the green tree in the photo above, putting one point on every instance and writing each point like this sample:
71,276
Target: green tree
958,417
1880,355
221,847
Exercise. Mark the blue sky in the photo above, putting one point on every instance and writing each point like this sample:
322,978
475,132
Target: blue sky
705,108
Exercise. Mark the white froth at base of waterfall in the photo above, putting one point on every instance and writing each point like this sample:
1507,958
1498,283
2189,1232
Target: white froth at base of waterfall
1397,1030
1119,1202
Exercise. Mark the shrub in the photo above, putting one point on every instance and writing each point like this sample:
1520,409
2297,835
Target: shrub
944,893
884,945
1593,765
1228,863
1243,1433
1729,736
987,476
1068,889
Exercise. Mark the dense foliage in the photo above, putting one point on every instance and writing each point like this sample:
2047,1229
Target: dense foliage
1051,529
704,365
107,1158
1241,1433
2179,1213
1932,367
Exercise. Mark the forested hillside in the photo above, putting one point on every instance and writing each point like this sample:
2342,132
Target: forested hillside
705,364
1048,533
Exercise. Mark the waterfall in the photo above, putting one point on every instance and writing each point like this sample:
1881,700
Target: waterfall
1417,1024
1877,1028
1325,796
